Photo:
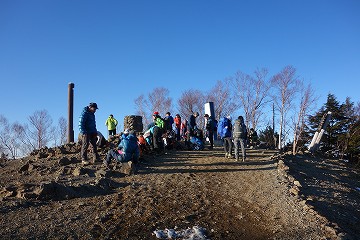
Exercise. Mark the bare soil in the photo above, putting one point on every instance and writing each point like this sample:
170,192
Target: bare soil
50,195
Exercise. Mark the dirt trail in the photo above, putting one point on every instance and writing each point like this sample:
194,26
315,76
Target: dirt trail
180,189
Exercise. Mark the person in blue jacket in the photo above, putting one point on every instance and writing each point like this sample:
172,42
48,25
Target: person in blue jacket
88,132
128,150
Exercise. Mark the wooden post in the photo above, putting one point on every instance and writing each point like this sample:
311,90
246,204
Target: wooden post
70,137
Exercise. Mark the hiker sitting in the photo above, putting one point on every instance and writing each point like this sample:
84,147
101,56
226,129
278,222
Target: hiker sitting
128,150
157,132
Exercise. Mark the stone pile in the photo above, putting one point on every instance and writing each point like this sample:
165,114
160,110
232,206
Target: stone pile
133,122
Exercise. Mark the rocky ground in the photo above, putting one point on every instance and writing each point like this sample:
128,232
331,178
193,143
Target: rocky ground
50,195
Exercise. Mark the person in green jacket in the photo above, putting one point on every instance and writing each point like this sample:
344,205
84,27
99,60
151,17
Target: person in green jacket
111,124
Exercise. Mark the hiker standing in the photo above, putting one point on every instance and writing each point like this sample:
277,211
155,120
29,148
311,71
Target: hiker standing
183,128
253,138
88,132
191,128
224,130
209,127
111,124
169,121
177,121
240,135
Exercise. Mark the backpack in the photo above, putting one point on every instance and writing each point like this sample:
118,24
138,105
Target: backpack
224,127
160,122
197,143
239,129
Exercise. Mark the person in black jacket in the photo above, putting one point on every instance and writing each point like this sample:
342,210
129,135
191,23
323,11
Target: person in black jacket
191,128
210,128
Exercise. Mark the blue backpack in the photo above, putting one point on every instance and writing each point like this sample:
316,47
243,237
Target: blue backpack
222,130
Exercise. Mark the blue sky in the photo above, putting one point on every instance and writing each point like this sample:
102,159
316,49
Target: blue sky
116,50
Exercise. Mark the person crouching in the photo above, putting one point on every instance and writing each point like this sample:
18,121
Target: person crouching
127,150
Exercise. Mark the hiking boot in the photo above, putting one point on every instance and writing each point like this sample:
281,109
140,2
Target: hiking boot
229,155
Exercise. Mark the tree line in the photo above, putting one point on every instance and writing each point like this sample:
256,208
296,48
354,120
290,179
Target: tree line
282,101
18,139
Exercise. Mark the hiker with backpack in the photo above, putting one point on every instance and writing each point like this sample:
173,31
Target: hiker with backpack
240,135
209,127
158,132
225,133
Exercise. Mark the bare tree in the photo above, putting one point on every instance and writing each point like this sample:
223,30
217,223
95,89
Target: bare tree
62,128
40,126
224,103
8,141
158,100
307,100
22,134
142,109
191,101
252,92
285,84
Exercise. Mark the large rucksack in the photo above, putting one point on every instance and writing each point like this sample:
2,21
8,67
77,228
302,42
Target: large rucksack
239,129
224,127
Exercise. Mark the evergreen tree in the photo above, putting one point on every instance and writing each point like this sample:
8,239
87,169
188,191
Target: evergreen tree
343,130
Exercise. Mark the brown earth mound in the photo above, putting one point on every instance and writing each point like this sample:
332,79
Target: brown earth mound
50,195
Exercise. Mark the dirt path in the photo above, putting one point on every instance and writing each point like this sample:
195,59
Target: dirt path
178,190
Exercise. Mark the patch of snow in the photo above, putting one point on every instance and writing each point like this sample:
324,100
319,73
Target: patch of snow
194,233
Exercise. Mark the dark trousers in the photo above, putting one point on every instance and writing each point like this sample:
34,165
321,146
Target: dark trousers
112,132
211,138
239,142
157,138
228,145
113,154
178,134
86,140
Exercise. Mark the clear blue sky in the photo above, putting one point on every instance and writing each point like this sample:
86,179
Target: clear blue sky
116,50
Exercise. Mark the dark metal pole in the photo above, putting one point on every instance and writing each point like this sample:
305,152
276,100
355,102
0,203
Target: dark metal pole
71,113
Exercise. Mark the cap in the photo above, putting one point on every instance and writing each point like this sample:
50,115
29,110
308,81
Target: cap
206,115
94,105
156,113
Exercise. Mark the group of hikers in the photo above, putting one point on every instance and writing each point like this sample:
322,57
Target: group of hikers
164,132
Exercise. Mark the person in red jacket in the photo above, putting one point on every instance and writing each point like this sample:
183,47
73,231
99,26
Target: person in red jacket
177,121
